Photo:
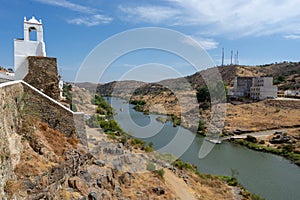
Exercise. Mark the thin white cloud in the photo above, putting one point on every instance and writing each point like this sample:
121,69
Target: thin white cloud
233,18
205,43
69,5
256,17
91,17
150,14
292,37
92,20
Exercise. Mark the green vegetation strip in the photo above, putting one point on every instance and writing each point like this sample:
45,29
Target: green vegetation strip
285,152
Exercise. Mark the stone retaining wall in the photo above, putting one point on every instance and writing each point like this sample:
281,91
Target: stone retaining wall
55,114
43,75
10,141
48,110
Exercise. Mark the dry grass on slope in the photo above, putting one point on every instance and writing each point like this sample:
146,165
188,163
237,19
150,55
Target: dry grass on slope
142,188
261,116
193,186
209,187
44,151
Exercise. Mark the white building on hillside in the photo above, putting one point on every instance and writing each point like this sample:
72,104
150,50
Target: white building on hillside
263,88
28,46
292,93
257,88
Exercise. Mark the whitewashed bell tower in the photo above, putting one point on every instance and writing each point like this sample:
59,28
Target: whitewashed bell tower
28,46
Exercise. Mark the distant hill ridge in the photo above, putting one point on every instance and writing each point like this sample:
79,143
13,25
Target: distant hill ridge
287,72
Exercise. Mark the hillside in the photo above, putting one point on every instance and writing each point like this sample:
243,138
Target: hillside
287,72
49,164
290,72
122,89
160,97
56,167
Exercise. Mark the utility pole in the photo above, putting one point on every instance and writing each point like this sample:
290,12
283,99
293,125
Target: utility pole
222,56
236,58
231,57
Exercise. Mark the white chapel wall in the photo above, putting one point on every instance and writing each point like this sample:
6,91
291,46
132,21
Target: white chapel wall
26,47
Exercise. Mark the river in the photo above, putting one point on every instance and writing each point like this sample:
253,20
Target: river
270,176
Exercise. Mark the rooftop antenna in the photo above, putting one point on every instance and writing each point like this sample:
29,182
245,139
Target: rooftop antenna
222,56
236,58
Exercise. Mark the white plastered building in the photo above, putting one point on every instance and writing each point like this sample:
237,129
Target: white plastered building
28,46
263,88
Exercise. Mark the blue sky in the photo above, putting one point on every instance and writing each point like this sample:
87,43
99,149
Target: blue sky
263,31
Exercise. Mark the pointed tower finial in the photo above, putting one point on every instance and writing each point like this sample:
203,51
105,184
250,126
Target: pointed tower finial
25,19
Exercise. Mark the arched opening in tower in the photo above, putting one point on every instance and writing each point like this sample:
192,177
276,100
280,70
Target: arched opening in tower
32,34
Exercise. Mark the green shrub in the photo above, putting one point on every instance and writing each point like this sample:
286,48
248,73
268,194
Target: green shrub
183,165
279,80
140,106
176,120
151,144
160,173
103,108
230,180
256,197
67,88
148,149
151,166
138,143
203,94
201,127
233,182
109,125
204,176
138,102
